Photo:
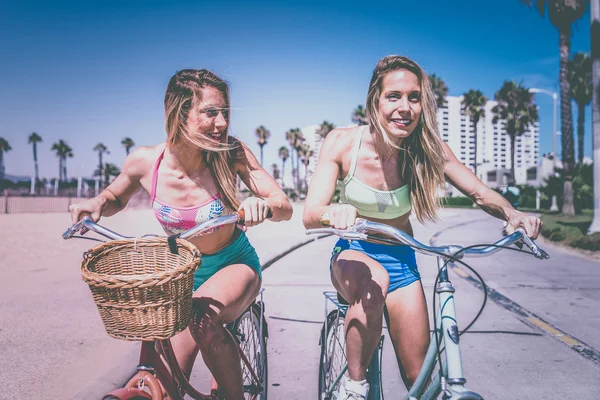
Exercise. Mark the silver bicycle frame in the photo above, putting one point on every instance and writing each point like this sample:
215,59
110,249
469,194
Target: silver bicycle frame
452,381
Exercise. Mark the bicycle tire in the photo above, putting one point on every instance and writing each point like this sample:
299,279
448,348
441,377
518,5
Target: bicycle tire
246,330
329,370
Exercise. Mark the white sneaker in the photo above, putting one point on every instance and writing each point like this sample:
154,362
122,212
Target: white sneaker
353,390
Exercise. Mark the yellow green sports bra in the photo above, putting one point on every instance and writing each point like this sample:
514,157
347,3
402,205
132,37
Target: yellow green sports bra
372,203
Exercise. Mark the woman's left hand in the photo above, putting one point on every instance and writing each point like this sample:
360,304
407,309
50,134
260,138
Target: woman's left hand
531,224
255,209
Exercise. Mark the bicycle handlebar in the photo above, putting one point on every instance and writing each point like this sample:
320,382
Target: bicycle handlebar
362,228
86,223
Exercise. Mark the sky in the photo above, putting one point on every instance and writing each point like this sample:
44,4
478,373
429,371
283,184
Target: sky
96,71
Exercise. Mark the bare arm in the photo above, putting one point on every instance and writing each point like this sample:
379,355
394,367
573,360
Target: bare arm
465,180
489,200
262,184
323,182
116,196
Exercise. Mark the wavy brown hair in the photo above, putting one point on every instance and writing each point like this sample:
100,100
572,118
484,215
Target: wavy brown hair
422,154
184,92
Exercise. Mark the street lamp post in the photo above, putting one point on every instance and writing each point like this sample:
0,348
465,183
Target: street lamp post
554,95
595,47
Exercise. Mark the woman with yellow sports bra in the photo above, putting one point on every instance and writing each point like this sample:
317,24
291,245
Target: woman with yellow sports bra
190,179
385,170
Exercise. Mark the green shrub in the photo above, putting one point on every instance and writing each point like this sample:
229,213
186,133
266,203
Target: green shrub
557,236
569,229
590,242
583,196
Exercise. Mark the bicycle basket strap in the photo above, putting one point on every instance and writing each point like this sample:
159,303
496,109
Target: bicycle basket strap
173,243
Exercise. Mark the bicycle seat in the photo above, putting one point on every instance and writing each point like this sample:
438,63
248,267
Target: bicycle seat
342,301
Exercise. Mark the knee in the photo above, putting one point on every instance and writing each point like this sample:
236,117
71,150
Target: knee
370,289
206,326
411,377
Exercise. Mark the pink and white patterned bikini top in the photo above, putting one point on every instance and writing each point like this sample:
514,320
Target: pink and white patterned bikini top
175,220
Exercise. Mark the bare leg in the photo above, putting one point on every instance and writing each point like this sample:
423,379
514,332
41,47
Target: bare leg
409,329
218,301
363,282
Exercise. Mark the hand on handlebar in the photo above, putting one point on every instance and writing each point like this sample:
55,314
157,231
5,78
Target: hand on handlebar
340,216
254,211
530,223
92,207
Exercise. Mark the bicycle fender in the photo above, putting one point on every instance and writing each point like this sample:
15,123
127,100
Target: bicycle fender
257,306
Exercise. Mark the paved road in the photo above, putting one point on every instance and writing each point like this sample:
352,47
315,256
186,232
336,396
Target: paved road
51,336
503,356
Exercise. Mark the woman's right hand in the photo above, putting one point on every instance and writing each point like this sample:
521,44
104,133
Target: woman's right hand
342,216
92,207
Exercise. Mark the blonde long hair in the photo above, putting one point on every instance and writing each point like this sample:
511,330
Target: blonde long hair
422,165
184,91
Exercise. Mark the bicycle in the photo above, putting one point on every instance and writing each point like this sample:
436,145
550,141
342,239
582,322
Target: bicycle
158,373
448,379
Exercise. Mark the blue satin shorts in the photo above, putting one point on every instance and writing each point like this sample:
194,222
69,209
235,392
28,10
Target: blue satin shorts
399,261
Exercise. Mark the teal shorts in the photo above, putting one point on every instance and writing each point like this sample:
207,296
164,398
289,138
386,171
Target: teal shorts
238,252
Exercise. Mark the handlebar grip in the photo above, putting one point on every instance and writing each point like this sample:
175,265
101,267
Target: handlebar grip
242,216
326,222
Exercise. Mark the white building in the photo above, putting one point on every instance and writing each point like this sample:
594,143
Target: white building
315,141
493,144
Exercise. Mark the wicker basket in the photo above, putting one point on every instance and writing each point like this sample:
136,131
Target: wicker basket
141,289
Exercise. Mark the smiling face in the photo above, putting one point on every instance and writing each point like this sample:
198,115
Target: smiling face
210,116
399,109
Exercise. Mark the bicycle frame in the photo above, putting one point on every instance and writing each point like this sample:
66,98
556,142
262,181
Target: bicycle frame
153,372
449,379
452,382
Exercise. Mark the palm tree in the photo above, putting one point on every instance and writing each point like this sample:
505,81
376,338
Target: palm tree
325,128
440,90
305,153
562,14
517,109
4,147
295,139
579,73
473,104
101,149
128,143
34,139
359,116
63,151
262,134
276,171
110,170
284,153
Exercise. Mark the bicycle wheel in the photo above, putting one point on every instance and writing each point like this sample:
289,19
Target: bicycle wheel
333,355
247,331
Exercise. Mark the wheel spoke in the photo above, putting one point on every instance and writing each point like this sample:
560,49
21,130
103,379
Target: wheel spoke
248,328
335,358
